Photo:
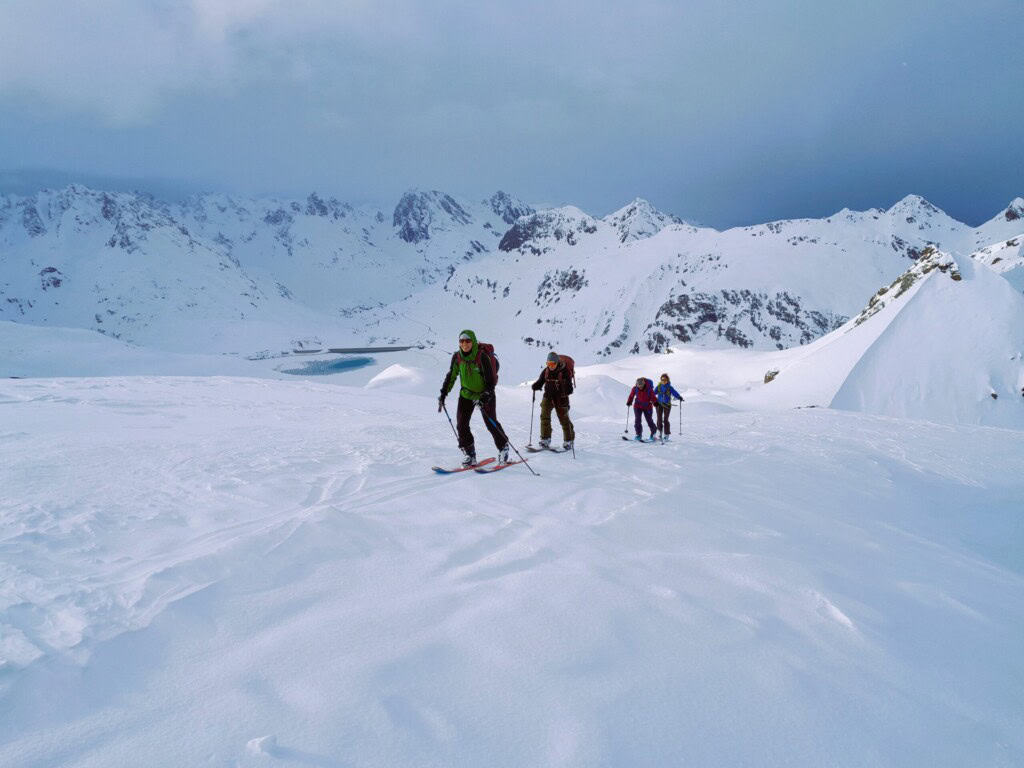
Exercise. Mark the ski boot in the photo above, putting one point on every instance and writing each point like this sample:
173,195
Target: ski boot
468,458
545,442
503,455
567,445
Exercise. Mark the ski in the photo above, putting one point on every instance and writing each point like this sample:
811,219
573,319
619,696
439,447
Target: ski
443,471
498,467
634,440
535,449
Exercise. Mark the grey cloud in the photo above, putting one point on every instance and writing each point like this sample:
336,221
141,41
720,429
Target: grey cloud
707,107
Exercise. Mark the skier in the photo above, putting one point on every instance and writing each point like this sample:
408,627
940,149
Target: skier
556,381
476,370
643,394
663,394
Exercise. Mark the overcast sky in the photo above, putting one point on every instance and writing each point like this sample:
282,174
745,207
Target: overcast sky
723,112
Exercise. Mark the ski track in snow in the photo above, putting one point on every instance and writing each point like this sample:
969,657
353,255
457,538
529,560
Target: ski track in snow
272,569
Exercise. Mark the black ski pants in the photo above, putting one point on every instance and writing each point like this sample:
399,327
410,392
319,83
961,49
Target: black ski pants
463,414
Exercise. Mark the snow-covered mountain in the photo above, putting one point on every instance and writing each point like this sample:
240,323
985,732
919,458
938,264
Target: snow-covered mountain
218,274
563,279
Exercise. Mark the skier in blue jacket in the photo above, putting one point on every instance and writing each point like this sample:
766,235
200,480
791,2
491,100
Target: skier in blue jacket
663,394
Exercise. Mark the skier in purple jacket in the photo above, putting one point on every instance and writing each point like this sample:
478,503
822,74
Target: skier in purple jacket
642,399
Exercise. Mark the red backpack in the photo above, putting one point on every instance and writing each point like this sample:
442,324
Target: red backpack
570,366
489,349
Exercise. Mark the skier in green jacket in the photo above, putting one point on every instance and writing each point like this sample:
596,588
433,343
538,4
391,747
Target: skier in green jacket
477,371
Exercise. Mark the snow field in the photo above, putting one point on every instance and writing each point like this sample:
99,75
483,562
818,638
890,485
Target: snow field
227,571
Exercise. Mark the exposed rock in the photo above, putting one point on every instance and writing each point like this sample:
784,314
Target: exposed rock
507,207
417,212
559,224
50,277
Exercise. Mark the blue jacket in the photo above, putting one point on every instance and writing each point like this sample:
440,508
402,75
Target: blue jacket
665,392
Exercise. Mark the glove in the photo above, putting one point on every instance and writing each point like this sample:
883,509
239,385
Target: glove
537,387
440,403
486,396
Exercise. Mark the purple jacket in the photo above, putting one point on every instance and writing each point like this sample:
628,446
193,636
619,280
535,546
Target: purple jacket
644,397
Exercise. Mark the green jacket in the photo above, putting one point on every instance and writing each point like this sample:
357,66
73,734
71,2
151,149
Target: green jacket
474,371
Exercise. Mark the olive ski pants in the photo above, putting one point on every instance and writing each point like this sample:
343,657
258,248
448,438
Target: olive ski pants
546,406
462,424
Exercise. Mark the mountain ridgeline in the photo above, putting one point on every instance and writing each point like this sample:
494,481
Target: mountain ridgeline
222,274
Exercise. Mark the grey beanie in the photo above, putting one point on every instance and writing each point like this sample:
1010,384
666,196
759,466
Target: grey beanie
553,357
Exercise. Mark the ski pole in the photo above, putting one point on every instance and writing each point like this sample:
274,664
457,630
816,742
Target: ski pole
495,425
531,416
626,430
450,420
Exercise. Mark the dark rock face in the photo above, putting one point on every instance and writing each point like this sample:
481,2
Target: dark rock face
526,233
416,212
556,284
518,235
315,206
508,208
780,318
1012,213
50,277
30,220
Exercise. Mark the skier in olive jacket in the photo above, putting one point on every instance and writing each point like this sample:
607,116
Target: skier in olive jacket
556,382
475,371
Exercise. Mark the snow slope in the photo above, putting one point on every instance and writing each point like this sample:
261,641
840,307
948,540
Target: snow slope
955,353
249,572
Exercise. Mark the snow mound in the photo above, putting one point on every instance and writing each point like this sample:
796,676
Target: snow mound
397,377
952,353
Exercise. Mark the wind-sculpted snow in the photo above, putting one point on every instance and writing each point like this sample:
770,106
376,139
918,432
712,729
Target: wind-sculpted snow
233,571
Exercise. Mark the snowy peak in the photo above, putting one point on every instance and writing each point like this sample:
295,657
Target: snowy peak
418,213
913,203
506,207
639,220
914,209
541,231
